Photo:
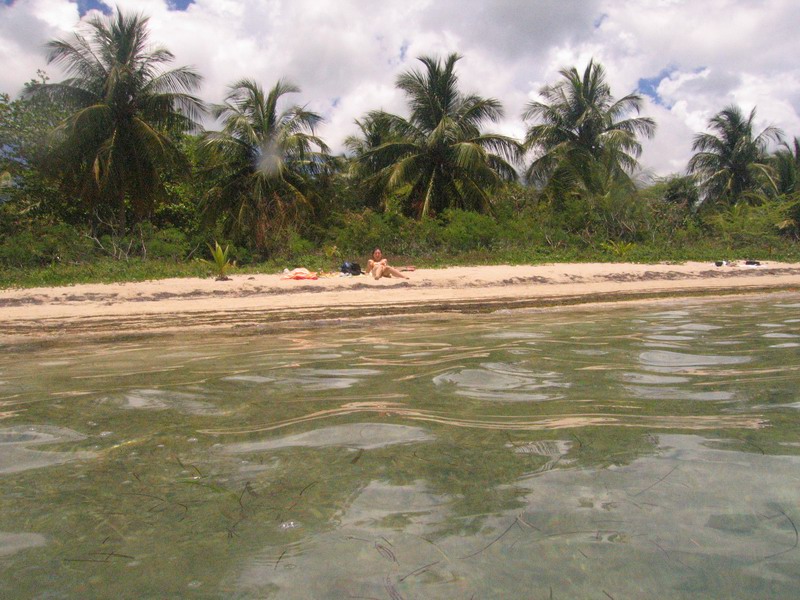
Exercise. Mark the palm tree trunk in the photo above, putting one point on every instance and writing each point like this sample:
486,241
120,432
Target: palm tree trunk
426,205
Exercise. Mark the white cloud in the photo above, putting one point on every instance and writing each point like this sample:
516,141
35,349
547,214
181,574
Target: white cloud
25,27
346,55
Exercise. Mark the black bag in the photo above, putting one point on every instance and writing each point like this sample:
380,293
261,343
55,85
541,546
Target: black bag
351,268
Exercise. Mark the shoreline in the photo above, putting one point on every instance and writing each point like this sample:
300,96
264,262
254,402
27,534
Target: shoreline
258,301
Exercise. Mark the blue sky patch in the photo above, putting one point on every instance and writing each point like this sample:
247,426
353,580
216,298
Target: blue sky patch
649,85
179,4
598,22
85,6
404,50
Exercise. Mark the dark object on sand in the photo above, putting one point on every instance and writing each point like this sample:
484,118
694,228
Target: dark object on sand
719,263
752,262
350,268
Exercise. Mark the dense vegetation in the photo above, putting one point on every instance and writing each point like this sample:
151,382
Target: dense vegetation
107,175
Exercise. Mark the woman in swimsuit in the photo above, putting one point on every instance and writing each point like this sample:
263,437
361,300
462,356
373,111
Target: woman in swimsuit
379,266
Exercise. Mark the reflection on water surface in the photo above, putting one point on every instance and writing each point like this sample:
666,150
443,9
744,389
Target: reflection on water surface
624,453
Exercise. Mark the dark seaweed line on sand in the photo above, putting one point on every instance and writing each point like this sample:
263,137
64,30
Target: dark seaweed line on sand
306,288
265,320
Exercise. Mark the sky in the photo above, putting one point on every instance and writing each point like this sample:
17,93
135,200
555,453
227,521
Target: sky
689,59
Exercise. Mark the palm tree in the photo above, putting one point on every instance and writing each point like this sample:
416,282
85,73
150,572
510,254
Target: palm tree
732,161
583,136
263,160
126,109
786,163
368,175
438,157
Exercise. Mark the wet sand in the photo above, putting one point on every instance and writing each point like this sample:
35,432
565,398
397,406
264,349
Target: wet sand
268,300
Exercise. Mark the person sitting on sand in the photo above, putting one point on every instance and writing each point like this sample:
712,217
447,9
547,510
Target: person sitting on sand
379,266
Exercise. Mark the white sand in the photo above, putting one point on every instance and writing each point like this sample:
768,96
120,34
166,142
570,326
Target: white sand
257,299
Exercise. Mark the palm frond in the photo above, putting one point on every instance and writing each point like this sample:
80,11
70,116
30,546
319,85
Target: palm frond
579,127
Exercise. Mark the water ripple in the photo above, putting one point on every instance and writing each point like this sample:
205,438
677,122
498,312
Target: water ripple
15,456
504,382
366,436
669,360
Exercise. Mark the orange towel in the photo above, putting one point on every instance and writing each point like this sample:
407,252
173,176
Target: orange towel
299,273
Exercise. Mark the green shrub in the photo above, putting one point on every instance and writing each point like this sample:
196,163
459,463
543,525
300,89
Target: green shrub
359,233
45,243
182,214
297,245
744,225
170,243
241,255
420,238
618,249
465,231
790,225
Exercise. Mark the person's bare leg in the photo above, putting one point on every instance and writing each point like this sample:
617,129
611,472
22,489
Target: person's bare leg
377,272
395,273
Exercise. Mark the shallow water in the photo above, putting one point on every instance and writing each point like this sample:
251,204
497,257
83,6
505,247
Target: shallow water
649,452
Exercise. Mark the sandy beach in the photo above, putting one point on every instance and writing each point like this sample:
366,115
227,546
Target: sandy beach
266,300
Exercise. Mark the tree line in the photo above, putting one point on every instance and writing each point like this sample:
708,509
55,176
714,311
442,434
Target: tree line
117,147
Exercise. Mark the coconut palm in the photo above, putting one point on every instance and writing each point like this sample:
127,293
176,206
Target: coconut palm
439,157
365,171
125,110
263,160
786,163
580,127
731,160
374,129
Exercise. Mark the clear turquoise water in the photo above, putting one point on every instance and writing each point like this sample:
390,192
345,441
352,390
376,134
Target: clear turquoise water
649,452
